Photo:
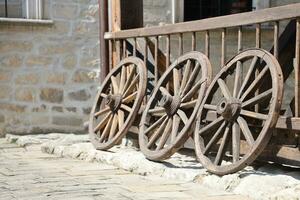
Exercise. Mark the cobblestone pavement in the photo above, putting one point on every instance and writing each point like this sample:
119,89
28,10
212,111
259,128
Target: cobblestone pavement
27,173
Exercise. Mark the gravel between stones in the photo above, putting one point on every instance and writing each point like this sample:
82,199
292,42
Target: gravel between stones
267,182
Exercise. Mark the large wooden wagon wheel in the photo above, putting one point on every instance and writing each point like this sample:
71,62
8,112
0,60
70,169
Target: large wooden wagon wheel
240,107
170,112
117,103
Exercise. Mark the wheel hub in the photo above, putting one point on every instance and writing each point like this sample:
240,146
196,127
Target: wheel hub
170,103
229,108
113,101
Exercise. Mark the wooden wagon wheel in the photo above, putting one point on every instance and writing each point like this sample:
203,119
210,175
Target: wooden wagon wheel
170,112
117,103
240,107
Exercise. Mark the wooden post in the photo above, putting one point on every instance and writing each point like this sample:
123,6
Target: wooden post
103,27
297,71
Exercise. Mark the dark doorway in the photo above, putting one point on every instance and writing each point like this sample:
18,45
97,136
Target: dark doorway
201,9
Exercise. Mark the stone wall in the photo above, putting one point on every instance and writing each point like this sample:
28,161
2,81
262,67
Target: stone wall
47,73
157,11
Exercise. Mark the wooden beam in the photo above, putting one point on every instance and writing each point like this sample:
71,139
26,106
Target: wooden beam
261,16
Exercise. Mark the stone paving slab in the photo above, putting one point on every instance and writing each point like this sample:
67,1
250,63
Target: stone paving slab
266,182
26,174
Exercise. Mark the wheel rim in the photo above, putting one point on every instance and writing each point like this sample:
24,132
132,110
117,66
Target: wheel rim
172,108
231,119
117,103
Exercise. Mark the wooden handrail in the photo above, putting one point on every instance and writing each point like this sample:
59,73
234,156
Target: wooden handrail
255,17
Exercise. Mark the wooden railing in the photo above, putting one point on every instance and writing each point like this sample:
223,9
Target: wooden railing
121,42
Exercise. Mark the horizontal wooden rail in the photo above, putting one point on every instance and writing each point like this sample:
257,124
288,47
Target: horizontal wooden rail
261,16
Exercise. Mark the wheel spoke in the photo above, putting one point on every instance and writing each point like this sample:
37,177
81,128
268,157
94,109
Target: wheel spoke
101,112
236,138
254,85
182,116
128,81
126,108
103,95
114,84
176,81
106,129
175,127
102,122
248,75
165,135
255,100
120,118
254,115
130,97
210,107
131,86
191,79
222,148
157,111
194,89
156,135
224,89
113,128
164,91
186,73
187,105
246,131
122,79
237,79
157,123
215,138
211,125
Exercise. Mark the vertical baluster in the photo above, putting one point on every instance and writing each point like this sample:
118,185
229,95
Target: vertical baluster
134,46
223,54
193,41
207,44
124,49
168,51
110,47
276,36
297,71
156,75
257,45
239,68
180,45
119,51
240,39
145,52
258,36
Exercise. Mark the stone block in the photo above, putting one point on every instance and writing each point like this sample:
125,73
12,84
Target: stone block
5,76
5,91
11,61
52,95
57,49
37,60
15,46
58,109
80,95
86,111
12,107
29,78
86,27
65,11
2,118
56,78
82,76
39,119
25,94
67,121
69,61
40,109
71,109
